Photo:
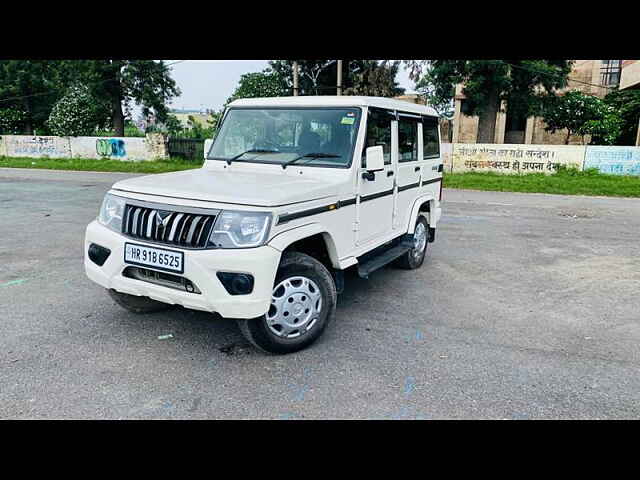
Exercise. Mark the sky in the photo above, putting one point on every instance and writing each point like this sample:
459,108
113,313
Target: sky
208,83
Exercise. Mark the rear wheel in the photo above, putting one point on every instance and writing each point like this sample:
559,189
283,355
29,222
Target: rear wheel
415,257
303,302
137,304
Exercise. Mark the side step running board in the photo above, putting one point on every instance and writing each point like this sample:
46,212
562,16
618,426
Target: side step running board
386,256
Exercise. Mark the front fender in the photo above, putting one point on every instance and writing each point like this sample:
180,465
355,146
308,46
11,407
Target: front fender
283,239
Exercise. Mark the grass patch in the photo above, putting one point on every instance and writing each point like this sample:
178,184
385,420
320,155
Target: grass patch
100,165
564,182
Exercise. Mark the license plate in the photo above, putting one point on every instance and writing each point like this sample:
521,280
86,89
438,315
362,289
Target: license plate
159,258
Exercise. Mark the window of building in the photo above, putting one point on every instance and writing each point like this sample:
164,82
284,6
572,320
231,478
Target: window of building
378,133
610,72
430,143
408,139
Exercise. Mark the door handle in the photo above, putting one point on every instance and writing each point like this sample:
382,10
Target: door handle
389,173
416,169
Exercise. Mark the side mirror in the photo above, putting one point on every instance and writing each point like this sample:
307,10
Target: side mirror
374,162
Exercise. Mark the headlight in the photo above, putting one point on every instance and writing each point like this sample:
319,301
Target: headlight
111,212
240,229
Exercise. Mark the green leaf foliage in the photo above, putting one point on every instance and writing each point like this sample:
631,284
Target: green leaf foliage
78,113
359,77
626,104
582,114
523,84
30,87
267,83
11,121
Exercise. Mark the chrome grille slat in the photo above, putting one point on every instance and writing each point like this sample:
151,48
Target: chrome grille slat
192,229
204,227
136,214
182,229
167,229
143,222
174,226
151,223
130,219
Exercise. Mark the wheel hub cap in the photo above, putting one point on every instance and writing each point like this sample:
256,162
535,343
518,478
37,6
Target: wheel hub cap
419,240
296,303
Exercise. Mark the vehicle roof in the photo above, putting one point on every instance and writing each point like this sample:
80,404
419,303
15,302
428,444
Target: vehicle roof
335,101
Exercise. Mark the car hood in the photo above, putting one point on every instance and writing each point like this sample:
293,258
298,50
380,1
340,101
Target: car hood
262,189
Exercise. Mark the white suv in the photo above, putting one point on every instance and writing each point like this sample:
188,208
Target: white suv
292,192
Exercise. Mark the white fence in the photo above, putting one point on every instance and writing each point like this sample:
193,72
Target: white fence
512,158
119,148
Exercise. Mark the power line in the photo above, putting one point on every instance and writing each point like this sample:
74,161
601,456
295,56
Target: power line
4,100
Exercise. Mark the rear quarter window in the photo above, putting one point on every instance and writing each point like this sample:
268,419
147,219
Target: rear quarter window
430,138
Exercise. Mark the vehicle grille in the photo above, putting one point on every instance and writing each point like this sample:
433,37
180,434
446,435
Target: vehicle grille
190,230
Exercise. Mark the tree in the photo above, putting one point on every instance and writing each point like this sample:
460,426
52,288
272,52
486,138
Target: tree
442,104
524,84
605,130
359,77
374,79
121,82
193,129
267,83
173,126
312,75
77,113
626,104
31,87
11,121
582,114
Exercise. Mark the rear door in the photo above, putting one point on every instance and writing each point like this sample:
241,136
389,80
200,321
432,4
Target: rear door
429,153
409,168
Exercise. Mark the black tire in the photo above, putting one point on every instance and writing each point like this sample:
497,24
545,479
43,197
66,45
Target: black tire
414,259
293,264
137,304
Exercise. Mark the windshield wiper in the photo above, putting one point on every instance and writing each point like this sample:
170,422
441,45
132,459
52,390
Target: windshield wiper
253,150
310,156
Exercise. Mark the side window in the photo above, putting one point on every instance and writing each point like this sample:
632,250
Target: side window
430,143
378,133
407,140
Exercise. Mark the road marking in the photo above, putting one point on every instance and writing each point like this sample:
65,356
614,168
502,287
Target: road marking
14,282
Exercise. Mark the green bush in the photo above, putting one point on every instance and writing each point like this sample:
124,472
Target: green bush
11,121
76,114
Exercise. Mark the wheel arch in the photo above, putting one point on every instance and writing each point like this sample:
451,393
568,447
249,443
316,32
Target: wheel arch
312,239
425,205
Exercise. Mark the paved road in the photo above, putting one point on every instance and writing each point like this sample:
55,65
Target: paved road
527,307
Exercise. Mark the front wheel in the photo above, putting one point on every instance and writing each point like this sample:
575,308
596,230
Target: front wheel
303,302
415,257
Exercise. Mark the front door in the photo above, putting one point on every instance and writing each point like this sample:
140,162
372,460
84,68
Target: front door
375,208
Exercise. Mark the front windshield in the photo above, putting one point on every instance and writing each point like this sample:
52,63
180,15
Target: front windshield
304,136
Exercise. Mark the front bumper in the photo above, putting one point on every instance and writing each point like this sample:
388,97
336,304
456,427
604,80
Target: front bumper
200,266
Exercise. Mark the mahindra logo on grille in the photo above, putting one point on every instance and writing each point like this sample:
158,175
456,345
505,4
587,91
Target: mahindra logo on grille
162,217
